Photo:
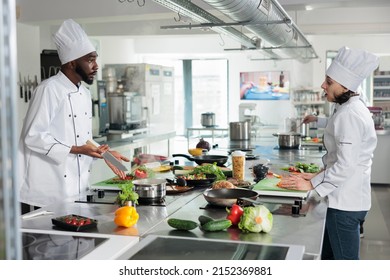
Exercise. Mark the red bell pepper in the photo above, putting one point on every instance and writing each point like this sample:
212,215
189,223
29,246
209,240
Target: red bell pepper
234,214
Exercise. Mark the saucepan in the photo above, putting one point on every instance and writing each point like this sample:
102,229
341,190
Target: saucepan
227,197
220,160
150,188
289,140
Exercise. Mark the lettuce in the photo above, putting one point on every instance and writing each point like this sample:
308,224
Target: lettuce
256,219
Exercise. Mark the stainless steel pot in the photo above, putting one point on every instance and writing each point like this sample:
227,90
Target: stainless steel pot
240,130
289,140
208,119
150,188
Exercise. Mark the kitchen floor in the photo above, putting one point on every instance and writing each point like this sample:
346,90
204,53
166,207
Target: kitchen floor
375,245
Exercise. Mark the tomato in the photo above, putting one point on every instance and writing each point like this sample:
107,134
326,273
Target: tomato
234,214
81,222
140,174
87,221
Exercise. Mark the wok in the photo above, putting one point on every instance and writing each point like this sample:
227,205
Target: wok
220,160
227,197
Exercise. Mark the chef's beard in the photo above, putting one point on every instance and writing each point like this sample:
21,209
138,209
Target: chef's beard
83,75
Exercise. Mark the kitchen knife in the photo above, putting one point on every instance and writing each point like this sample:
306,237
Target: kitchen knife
25,90
20,85
29,87
109,157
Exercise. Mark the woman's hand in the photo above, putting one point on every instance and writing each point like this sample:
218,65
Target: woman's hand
309,119
296,182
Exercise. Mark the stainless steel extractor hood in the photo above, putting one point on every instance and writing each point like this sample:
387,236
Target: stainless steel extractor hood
268,28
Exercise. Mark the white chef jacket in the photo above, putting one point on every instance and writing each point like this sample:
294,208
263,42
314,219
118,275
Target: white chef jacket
59,116
350,140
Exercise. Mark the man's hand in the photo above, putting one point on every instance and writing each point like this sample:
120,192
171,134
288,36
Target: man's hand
121,174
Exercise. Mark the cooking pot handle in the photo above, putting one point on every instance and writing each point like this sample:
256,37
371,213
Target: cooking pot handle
275,134
183,155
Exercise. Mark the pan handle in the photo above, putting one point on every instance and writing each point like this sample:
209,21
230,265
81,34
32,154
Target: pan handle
241,201
184,155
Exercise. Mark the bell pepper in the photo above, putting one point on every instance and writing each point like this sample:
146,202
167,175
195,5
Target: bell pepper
234,214
126,216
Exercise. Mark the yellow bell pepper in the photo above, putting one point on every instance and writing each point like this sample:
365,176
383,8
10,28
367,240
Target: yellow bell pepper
126,216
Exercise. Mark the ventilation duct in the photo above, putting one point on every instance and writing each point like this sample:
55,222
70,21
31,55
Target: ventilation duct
265,19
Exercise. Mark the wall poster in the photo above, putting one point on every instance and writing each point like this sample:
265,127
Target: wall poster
265,85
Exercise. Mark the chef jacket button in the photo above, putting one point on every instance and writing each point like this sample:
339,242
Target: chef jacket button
70,115
79,155
75,116
65,176
78,136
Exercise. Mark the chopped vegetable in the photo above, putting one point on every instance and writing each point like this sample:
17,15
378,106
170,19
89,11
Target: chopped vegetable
126,216
303,168
234,214
256,219
210,169
142,172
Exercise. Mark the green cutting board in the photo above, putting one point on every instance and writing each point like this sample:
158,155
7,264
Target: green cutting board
270,184
105,185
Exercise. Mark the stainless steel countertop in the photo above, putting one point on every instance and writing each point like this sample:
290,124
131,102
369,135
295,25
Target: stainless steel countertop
304,230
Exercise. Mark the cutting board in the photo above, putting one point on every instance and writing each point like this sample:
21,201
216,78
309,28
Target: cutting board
105,185
268,186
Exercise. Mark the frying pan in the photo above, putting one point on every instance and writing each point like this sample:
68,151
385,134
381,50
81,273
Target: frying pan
210,178
220,160
227,197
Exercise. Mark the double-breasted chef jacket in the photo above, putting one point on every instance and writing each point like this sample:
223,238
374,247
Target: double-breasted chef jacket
350,140
59,117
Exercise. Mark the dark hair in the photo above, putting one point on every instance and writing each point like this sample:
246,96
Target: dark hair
344,97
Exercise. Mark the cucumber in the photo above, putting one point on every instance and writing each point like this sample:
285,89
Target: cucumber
182,224
217,225
203,219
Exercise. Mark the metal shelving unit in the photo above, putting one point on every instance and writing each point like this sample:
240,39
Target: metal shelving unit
381,95
309,101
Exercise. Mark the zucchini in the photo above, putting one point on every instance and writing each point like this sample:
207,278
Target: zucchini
217,225
203,219
182,224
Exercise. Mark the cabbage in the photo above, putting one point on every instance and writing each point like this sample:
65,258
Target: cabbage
256,219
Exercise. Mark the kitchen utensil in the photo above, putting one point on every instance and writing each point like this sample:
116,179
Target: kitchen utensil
25,90
20,85
227,197
208,119
288,140
210,178
109,157
174,189
239,130
36,214
268,187
220,160
150,188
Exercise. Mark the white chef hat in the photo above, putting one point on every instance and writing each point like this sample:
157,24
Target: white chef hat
351,66
72,42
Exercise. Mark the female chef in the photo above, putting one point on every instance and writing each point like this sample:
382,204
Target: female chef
350,140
